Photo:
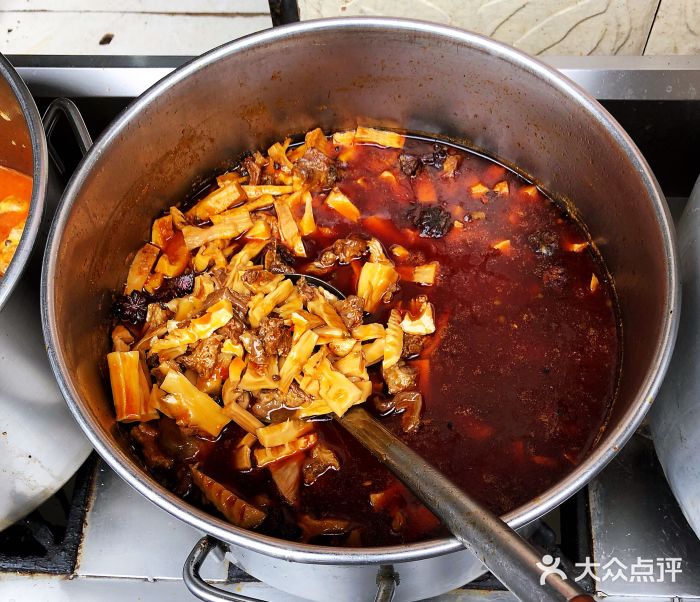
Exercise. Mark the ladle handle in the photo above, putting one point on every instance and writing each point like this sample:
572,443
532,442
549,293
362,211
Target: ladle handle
507,555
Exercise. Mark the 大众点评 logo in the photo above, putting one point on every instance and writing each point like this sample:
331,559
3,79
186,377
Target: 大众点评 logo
643,570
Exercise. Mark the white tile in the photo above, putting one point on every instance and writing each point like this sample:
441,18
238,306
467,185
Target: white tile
133,33
676,29
140,6
560,27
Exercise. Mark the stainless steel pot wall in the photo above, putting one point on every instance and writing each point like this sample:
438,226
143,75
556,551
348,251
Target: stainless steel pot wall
23,148
337,74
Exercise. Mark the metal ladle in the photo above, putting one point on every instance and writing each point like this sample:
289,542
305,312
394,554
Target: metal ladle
507,555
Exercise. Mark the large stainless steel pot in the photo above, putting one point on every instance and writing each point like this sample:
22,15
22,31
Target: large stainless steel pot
336,74
23,148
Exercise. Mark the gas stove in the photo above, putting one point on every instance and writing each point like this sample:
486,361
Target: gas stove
99,539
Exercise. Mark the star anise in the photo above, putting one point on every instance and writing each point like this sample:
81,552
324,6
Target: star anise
131,308
174,287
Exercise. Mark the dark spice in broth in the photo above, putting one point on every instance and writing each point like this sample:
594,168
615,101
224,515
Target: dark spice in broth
516,381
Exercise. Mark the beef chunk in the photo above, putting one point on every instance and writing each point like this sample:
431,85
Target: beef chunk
316,169
351,311
220,276
273,401
131,308
412,345
432,221
233,329
256,280
253,170
272,405
349,249
382,404
203,358
232,395
156,316
254,346
182,443
321,460
305,290
296,396
239,302
407,403
267,401
332,176
159,370
326,259
410,404
343,250
277,259
146,435
409,164
276,337
544,242
400,377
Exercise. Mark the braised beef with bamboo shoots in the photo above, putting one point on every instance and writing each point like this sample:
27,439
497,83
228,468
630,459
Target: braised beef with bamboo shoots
480,326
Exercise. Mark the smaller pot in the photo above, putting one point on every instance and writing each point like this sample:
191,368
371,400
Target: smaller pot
22,148
32,466
675,417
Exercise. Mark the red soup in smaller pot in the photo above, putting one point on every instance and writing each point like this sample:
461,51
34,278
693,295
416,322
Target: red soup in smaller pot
15,194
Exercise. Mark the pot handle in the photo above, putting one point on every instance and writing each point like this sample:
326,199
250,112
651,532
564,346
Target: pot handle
387,578
63,107
197,585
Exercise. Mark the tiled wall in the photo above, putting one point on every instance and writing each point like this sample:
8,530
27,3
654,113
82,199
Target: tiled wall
141,27
676,28
561,27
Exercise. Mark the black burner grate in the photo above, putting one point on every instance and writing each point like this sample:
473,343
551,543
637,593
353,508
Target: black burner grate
47,541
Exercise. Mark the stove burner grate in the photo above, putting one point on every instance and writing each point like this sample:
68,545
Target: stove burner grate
48,540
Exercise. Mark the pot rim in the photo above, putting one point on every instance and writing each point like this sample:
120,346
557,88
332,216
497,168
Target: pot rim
40,174
312,554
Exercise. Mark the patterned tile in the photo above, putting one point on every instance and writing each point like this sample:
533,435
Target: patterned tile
563,27
676,29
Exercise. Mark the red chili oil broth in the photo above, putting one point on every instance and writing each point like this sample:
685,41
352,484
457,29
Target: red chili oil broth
519,377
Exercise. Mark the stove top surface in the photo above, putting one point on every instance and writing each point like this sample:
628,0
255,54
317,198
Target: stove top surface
99,539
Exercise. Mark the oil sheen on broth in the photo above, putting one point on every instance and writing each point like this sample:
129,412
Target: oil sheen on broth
516,381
